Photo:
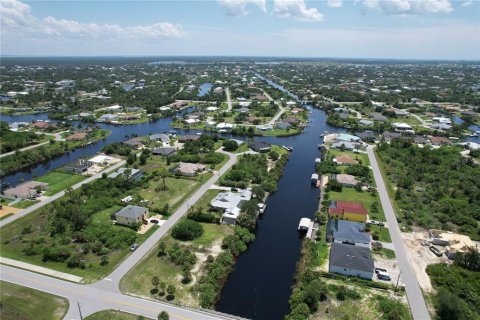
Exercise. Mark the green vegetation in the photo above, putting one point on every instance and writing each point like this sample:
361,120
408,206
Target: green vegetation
59,181
113,315
187,230
201,150
23,159
13,140
70,234
385,253
217,270
253,169
379,233
25,204
435,188
458,287
22,303
368,199
172,263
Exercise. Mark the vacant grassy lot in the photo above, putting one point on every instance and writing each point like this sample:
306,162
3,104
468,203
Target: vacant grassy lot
178,190
365,198
59,181
22,303
25,204
139,280
382,233
112,315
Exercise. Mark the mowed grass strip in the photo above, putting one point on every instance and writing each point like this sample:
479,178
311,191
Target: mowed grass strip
22,303
59,181
112,315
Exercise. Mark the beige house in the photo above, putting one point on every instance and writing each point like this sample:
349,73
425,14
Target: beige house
190,169
131,215
27,190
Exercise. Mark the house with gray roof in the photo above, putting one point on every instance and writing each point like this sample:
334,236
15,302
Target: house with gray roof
348,232
131,215
160,137
283,125
164,151
351,261
343,145
378,117
134,173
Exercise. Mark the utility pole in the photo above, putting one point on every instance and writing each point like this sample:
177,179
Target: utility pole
398,279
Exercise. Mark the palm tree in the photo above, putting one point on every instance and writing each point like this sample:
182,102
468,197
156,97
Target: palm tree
155,281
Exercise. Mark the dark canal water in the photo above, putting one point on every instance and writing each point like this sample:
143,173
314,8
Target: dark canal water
119,133
260,285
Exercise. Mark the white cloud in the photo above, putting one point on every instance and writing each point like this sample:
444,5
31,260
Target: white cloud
409,7
334,3
17,21
297,9
236,8
467,3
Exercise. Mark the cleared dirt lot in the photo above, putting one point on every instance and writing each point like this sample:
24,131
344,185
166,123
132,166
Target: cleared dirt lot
420,256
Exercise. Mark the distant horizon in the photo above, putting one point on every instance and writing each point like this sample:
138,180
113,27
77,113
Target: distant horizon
239,56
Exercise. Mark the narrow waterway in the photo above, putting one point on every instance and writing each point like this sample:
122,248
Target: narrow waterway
260,285
118,133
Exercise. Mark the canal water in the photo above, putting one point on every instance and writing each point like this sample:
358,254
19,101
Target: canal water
204,89
119,133
260,285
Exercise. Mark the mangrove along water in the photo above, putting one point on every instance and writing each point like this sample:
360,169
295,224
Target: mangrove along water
260,285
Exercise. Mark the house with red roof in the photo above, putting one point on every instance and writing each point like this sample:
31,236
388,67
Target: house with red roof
346,210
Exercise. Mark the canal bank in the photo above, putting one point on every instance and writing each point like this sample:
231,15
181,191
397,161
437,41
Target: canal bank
260,285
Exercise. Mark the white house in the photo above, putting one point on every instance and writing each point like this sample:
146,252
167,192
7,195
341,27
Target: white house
402,127
230,203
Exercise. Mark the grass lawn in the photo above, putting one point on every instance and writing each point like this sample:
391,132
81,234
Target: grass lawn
281,132
178,190
25,204
111,315
382,232
138,280
385,253
389,186
22,303
242,148
205,200
365,198
410,120
59,181
360,157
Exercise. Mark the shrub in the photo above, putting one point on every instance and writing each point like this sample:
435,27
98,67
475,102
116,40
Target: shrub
187,230
230,145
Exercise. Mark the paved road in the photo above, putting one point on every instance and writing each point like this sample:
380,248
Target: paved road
57,195
414,294
92,300
229,100
24,149
278,115
112,281
57,136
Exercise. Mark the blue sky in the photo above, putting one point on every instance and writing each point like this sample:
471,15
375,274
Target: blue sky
419,29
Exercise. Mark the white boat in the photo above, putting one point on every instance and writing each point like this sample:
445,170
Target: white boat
288,148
